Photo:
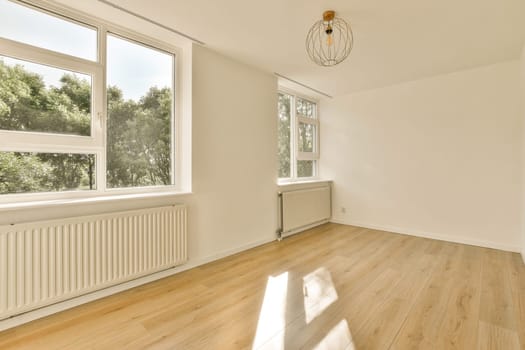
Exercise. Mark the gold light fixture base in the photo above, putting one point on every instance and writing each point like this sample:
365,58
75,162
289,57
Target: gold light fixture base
328,15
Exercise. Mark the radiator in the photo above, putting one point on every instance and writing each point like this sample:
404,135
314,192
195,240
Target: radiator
47,262
304,208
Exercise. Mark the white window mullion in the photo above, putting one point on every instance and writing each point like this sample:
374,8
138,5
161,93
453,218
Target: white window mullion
100,91
307,156
175,127
293,138
32,141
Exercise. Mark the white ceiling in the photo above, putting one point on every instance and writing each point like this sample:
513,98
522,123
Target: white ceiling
395,41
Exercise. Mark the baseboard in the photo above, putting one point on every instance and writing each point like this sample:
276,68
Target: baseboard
86,298
431,235
225,253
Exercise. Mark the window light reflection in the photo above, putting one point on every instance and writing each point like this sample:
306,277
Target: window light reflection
339,337
319,293
273,312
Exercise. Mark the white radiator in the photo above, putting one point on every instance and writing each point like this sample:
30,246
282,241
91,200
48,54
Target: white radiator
47,262
304,208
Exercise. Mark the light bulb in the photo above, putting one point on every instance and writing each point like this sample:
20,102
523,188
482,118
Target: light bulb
329,40
329,30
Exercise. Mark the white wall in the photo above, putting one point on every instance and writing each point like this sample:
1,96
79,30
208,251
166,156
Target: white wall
438,157
234,155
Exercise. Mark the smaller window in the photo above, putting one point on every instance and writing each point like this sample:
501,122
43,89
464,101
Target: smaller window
39,98
307,136
298,133
305,109
306,168
31,172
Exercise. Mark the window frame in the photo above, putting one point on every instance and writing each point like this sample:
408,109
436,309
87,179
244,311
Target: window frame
295,120
41,142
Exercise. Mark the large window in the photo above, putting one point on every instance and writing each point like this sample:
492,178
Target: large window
139,125
298,130
89,112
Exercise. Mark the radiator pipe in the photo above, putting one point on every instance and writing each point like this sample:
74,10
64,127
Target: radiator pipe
281,223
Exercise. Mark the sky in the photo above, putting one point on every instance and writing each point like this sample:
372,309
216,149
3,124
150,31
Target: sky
132,67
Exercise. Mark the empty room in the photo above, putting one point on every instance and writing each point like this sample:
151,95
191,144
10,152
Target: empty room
338,175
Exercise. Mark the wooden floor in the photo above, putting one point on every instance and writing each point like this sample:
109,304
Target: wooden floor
332,287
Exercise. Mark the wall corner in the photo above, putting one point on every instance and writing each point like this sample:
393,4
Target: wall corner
522,111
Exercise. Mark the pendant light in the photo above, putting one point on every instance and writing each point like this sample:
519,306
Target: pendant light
329,40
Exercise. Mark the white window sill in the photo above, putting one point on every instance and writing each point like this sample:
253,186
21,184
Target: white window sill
40,204
290,182
288,185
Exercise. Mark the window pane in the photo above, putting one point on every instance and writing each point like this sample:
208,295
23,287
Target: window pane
46,172
35,97
139,132
306,137
36,28
305,108
284,134
305,168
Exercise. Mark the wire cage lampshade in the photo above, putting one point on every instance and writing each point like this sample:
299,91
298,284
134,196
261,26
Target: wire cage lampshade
330,40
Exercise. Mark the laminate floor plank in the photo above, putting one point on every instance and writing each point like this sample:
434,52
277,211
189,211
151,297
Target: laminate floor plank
492,337
517,280
497,307
331,287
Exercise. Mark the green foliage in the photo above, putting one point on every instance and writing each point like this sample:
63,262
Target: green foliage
27,105
284,135
139,139
304,168
78,91
138,135
22,173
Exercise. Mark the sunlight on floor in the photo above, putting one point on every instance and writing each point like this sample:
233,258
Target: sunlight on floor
319,293
339,337
273,312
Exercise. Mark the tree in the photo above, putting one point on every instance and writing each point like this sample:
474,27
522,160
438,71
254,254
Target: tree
139,139
27,105
22,173
138,134
284,135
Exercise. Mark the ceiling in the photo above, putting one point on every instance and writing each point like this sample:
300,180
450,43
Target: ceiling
395,41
